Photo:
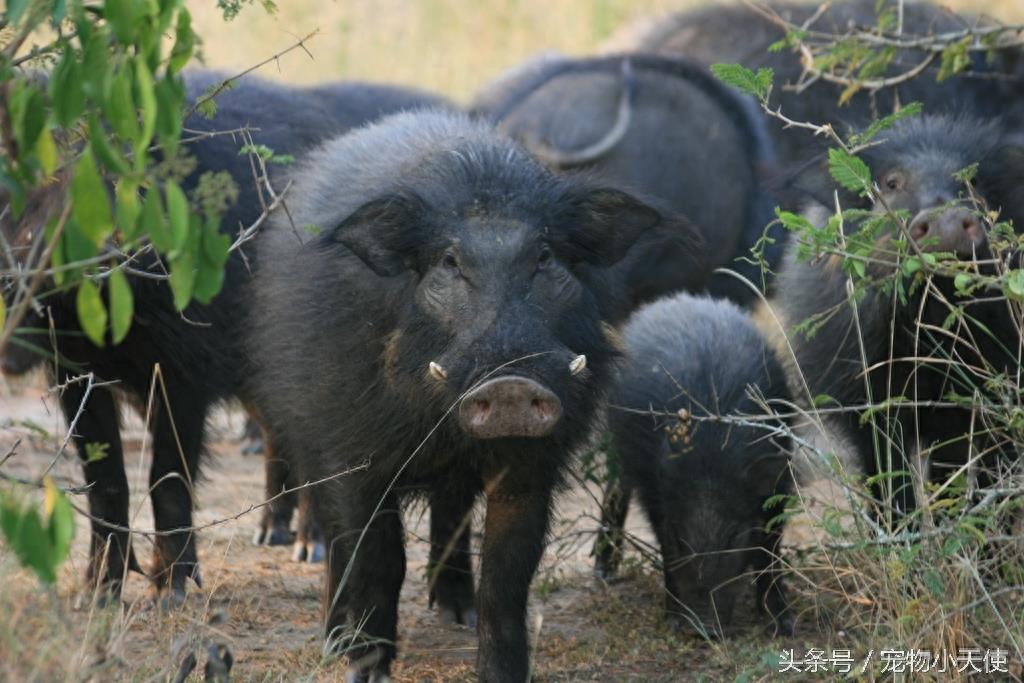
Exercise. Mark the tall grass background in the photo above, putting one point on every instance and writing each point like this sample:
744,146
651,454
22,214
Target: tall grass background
451,46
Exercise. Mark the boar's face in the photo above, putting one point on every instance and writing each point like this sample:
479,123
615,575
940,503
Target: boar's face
712,538
503,315
916,171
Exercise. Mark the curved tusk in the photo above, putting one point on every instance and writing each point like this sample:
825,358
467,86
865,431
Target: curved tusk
437,372
578,364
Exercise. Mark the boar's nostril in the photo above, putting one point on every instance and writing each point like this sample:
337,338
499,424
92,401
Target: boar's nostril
510,407
480,410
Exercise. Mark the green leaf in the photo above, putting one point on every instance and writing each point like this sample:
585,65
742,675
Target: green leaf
147,100
120,106
215,244
757,84
46,152
177,214
792,221
911,265
120,14
933,580
94,452
962,281
966,174
886,122
105,152
213,256
90,208
849,171
127,208
15,8
77,245
60,11
3,313
183,270
184,42
153,221
27,538
169,100
95,69
859,267
1014,286
60,526
121,306
92,315
822,400
28,113
66,94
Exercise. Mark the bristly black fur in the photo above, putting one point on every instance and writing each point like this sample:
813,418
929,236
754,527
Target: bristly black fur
199,351
687,134
436,240
925,153
703,484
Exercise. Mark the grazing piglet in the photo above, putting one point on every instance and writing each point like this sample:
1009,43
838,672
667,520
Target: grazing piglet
702,482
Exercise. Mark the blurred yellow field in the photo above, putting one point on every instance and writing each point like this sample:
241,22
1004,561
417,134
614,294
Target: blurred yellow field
453,46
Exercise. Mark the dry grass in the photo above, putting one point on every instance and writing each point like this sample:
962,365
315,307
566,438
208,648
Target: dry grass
451,46
266,609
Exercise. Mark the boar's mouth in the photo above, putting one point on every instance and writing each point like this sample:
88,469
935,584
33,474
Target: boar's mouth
509,406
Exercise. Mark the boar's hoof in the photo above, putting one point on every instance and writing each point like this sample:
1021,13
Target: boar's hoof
356,675
685,625
218,664
171,599
188,664
308,551
454,616
510,406
578,365
96,597
781,628
315,552
276,534
437,372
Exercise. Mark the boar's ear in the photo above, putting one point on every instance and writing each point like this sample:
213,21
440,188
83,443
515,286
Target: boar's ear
384,232
600,225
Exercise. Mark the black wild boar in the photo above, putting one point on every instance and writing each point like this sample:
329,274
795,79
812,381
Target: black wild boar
737,33
702,484
199,352
665,127
909,350
441,331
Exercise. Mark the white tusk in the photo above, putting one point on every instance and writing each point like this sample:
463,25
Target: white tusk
578,364
437,372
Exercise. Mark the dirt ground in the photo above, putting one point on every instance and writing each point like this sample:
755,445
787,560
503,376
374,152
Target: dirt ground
265,607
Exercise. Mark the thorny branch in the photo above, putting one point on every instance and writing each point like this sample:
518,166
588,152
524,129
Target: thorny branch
810,44
228,82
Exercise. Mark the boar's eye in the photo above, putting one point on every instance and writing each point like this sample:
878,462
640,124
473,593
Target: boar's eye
894,181
451,263
544,258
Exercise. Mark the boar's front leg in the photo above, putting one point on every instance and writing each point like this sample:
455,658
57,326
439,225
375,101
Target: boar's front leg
450,570
514,536
365,570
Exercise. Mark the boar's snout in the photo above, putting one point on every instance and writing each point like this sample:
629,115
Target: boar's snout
509,407
953,229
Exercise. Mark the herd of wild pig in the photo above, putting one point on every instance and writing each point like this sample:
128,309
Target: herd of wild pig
455,304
